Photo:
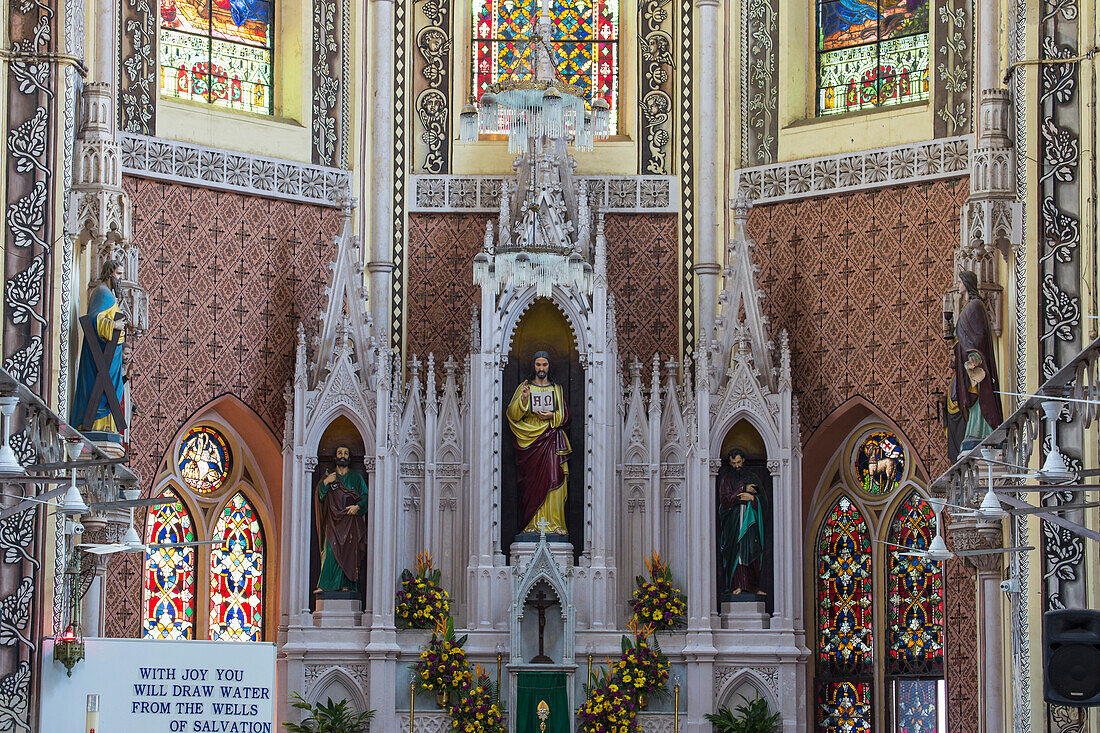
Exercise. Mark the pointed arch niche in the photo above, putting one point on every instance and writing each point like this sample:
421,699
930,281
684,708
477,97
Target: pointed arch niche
341,431
543,326
223,471
877,615
744,437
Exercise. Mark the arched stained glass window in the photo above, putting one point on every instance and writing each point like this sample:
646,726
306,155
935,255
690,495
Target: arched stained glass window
218,51
169,593
871,53
237,574
584,44
845,644
914,619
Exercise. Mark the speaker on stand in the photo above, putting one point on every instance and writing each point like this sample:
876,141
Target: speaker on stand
1071,657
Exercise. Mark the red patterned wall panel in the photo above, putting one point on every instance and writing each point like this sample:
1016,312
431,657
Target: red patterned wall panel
229,277
642,272
961,648
857,280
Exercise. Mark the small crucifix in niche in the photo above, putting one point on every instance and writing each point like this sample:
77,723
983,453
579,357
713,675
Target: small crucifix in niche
541,603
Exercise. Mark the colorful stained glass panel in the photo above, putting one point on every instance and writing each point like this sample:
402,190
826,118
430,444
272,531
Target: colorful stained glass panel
918,705
844,644
871,53
169,591
218,51
844,707
914,594
584,44
204,459
880,462
237,574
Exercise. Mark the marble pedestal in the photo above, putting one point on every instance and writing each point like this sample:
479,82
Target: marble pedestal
744,615
336,613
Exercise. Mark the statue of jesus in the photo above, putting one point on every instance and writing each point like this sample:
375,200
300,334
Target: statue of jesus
539,418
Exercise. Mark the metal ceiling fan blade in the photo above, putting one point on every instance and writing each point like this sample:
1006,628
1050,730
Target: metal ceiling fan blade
991,551
901,547
28,502
36,499
132,503
158,546
1005,491
921,555
102,549
1054,509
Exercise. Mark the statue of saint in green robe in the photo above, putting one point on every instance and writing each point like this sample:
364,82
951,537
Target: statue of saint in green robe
341,519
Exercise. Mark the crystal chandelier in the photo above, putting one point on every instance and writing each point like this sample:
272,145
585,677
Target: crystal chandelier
529,109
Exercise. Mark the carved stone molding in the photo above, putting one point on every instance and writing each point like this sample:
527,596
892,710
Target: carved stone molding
608,194
759,82
331,57
169,160
924,161
656,85
314,672
975,535
768,675
431,80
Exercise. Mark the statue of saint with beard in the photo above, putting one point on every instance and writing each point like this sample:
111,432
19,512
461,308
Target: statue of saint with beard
539,418
740,526
341,517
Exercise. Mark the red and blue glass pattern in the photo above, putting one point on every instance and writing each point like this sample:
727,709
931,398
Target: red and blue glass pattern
169,592
871,53
584,44
237,574
914,594
204,459
218,51
917,705
844,707
845,612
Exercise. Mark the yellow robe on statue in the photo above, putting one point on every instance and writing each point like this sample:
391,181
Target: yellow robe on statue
527,427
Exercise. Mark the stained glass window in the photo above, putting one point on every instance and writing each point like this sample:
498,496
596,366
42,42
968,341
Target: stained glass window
204,459
914,594
880,462
237,574
871,53
914,620
845,646
169,593
218,51
584,44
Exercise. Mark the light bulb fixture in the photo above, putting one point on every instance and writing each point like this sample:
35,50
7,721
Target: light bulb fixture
73,503
69,649
467,122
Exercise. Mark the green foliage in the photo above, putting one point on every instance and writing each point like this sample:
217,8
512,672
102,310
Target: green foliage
749,718
328,717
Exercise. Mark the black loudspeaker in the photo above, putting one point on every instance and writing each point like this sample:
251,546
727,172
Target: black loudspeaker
1071,657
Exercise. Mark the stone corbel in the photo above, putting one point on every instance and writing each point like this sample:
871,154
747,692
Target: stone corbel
979,534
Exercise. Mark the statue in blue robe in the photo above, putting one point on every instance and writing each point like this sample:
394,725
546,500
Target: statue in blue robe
107,317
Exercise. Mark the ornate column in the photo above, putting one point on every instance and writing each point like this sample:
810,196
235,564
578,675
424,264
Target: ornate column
980,535
706,182
381,165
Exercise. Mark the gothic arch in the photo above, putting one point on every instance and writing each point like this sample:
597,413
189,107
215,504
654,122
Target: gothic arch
759,424
317,427
338,684
745,678
516,305
823,451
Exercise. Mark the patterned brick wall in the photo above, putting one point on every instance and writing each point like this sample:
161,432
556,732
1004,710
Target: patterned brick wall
857,279
642,272
961,647
228,278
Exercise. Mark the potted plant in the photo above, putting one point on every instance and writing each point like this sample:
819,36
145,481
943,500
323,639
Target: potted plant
657,602
751,717
422,602
477,708
642,668
442,667
328,717
608,707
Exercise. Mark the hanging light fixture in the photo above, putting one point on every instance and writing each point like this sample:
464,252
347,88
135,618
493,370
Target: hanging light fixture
533,108
69,649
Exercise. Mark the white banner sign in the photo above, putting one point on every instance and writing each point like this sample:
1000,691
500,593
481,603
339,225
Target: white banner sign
161,687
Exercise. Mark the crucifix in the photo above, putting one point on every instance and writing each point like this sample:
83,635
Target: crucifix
541,603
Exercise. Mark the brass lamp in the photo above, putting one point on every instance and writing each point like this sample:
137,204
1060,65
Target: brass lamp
69,649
